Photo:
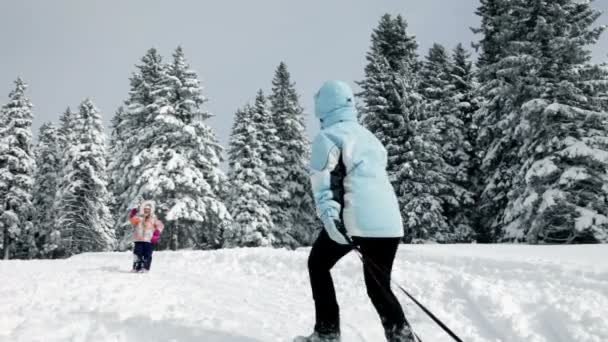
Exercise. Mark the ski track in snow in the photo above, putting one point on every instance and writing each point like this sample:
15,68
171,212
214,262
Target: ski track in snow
497,293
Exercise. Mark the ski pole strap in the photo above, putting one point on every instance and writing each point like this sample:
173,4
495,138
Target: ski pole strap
426,311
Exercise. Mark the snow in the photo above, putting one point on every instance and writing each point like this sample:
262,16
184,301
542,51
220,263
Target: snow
549,198
541,168
580,149
589,218
573,174
166,110
483,292
536,105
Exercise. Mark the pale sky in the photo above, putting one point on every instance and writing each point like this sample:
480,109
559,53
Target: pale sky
67,50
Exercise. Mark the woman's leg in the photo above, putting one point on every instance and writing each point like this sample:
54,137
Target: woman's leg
378,257
323,256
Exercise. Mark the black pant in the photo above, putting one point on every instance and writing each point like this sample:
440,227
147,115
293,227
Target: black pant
143,253
377,253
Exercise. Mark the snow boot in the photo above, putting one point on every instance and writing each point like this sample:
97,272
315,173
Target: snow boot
318,337
138,263
400,334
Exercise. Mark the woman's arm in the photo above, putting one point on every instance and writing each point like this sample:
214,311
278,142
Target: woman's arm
324,160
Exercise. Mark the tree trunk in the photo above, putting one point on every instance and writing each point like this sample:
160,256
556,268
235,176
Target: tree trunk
6,243
174,236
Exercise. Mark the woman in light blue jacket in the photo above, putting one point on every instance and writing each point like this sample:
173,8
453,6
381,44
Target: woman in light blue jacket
357,203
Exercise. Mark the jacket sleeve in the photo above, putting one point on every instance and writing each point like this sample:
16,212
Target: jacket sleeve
324,159
133,218
159,226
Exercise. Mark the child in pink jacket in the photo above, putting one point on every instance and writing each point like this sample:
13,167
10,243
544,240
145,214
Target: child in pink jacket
147,233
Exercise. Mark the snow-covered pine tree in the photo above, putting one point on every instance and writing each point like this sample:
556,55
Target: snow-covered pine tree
117,137
490,194
272,161
563,196
46,177
83,204
464,85
187,179
392,49
506,74
393,111
150,91
238,133
489,46
292,205
594,84
450,134
62,238
380,115
116,125
435,79
467,100
16,175
236,147
65,122
418,172
249,187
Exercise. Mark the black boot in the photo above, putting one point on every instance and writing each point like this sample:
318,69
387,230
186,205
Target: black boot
319,337
137,264
402,333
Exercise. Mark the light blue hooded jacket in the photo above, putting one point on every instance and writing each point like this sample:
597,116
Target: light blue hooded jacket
348,170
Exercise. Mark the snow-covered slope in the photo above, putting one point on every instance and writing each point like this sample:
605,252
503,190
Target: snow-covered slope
483,292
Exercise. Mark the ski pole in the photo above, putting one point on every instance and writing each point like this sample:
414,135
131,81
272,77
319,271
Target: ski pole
424,309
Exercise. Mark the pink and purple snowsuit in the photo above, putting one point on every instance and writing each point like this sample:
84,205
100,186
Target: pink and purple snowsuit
146,234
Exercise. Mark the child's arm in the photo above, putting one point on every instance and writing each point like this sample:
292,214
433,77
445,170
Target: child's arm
133,218
159,226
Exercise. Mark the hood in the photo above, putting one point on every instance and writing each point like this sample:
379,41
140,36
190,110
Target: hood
335,102
146,204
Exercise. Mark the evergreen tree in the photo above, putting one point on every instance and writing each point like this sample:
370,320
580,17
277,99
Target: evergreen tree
65,122
392,51
59,242
594,85
117,137
292,205
187,95
463,85
449,134
562,187
435,79
48,161
150,91
392,55
393,110
83,202
16,174
492,29
391,41
418,172
173,159
272,162
506,74
249,194
190,181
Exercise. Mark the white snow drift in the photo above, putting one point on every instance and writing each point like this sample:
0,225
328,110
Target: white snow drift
504,293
